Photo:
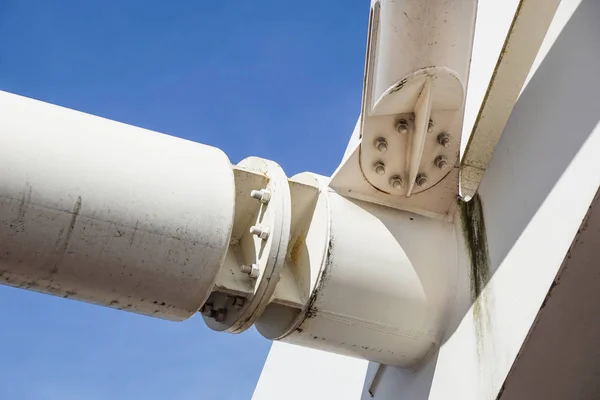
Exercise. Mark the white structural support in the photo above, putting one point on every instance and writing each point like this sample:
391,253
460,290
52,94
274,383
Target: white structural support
405,147
381,263
115,215
527,31
112,214
523,322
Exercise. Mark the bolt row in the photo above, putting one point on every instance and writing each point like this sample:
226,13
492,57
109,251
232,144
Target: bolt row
264,196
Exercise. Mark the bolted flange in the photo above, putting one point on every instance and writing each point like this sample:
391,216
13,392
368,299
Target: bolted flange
258,248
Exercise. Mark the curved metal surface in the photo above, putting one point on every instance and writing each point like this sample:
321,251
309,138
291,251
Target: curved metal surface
108,213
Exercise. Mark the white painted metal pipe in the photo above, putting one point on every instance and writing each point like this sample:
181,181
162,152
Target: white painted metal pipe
377,282
108,213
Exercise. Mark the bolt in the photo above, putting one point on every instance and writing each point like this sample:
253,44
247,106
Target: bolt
220,314
381,144
430,126
379,168
441,162
443,139
252,270
207,309
262,195
396,182
402,126
238,302
421,179
259,231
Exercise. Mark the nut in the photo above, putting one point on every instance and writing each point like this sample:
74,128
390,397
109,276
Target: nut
262,195
430,126
381,144
379,168
396,182
207,310
441,162
402,126
238,302
220,315
421,180
252,270
260,231
443,139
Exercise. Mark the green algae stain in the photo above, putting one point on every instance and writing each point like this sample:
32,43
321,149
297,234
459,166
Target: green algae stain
473,227
474,232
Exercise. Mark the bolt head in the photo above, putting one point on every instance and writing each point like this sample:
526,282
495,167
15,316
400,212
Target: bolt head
443,139
421,180
262,195
259,231
402,126
220,315
441,162
396,182
379,168
207,310
254,272
238,302
381,144
245,269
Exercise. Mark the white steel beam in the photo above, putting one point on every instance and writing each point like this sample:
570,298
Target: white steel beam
526,34
297,373
560,358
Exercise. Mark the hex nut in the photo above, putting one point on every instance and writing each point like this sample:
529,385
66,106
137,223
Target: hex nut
262,195
421,180
379,168
430,126
441,162
396,182
381,144
402,126
260,231
443,139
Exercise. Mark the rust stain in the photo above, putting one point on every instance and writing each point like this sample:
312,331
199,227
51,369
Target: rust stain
296,249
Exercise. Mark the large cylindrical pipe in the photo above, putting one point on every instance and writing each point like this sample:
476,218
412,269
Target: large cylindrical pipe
377,282
108,213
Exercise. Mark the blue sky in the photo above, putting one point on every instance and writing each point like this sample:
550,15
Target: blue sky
276,79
